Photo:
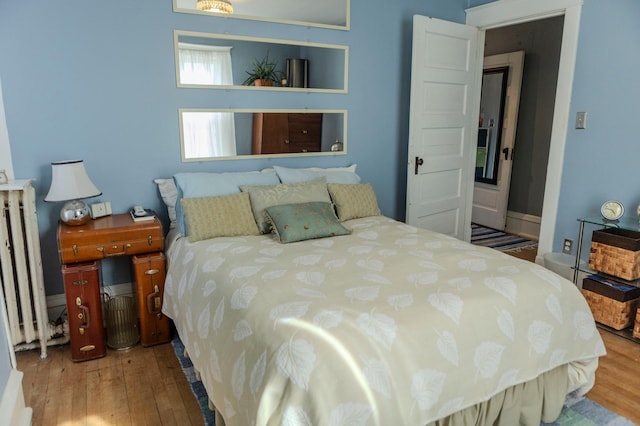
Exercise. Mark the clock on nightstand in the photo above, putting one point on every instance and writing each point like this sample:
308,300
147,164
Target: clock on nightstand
612,210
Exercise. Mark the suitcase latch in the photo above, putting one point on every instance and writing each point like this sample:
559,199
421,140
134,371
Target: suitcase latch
150,240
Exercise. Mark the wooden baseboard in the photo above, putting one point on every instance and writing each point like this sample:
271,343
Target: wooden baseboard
524,225
12,404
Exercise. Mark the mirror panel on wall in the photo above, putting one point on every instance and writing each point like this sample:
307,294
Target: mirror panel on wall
224,134
494,92
222,61
333,14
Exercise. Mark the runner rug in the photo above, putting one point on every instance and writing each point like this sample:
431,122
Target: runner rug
576,412
488,237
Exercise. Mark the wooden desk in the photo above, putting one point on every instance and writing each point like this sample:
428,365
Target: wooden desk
80,249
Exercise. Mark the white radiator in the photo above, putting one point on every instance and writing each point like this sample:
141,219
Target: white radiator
21,266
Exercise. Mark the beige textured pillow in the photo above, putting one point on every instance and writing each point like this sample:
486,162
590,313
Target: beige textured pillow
263,196
354,200
222,216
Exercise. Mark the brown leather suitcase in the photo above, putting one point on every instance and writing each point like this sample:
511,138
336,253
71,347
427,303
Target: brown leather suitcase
149,271
116,235
84,309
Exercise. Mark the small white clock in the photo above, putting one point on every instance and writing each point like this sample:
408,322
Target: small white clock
612,210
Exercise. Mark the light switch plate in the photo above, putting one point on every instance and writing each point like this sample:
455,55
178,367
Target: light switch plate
581,120
100,209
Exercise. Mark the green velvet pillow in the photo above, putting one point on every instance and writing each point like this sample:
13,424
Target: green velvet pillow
304,221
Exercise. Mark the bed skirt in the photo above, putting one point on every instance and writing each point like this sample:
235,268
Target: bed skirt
538,400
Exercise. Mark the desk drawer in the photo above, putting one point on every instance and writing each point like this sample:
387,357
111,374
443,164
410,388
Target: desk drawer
116,238
81,251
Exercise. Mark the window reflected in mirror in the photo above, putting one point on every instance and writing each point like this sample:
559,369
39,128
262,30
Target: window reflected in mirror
492,101
231,134
223,61
333,14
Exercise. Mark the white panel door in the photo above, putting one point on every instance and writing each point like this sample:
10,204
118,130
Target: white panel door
443,125
490,201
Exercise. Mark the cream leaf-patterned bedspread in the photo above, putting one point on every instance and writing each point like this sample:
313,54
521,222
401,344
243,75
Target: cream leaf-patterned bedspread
390,325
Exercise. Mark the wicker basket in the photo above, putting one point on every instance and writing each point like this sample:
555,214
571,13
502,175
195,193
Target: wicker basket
636,327
616,252
617,315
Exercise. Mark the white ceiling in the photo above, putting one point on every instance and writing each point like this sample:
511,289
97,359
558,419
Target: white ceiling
330,12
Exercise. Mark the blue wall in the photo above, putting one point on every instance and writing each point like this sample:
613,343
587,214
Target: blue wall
96,81
602,161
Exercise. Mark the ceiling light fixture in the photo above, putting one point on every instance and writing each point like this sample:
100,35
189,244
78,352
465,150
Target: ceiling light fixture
216,6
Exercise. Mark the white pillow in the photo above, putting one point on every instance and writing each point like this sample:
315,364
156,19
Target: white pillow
169,194
345,175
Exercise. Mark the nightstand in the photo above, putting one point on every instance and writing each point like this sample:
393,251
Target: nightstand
81,248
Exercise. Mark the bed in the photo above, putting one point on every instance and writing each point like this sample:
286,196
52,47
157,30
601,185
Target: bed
382,323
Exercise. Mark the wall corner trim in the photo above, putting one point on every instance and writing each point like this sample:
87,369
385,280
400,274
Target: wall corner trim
12,407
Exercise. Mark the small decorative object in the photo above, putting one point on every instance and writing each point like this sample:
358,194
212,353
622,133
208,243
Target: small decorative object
612,210
100,209
70,182
3,177
263,74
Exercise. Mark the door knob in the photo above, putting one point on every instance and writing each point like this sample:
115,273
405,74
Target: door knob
419,162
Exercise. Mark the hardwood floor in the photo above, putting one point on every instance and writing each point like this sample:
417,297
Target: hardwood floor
146,386
618,377
525,253
139,386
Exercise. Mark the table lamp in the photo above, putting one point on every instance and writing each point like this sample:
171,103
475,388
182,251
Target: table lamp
69,182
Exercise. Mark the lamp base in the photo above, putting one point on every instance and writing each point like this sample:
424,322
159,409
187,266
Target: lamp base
75,212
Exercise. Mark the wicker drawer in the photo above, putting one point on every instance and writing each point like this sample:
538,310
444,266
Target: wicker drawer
616,252
636,327
615,314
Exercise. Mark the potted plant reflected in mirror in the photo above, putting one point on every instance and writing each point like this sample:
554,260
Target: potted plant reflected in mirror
263,74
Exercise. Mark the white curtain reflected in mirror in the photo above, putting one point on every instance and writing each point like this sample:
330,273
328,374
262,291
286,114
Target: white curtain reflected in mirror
202,64
208,134
221,61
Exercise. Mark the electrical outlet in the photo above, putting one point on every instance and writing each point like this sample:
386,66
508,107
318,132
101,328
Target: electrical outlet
567,246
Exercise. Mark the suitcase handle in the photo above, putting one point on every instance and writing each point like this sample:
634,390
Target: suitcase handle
83,315
154,301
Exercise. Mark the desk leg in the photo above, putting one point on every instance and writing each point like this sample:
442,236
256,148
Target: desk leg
84,309
150,272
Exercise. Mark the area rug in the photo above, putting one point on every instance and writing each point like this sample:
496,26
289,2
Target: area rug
576,412
196,384
488,237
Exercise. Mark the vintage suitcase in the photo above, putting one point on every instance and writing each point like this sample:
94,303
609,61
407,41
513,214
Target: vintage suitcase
149,271
116,235
84,309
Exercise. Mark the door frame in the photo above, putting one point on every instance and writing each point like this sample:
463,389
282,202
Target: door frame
510,12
